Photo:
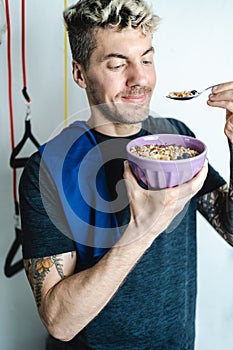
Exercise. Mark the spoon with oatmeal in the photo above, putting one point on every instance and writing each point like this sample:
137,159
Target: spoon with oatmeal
186,94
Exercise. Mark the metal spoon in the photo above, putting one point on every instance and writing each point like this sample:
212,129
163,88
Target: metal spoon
187,95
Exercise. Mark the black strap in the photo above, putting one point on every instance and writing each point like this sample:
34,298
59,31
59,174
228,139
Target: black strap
11,268
20,162
25,94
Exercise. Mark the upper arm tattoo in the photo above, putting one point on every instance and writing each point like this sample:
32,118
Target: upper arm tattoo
37,269
217,208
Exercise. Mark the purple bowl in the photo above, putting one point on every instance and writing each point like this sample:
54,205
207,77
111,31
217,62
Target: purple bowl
159,174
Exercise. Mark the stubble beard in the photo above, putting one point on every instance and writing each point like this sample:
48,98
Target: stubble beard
122,112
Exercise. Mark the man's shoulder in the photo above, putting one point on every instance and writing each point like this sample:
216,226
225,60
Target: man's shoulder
65,137
72,143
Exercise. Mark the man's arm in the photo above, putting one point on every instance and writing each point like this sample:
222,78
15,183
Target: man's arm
67,302
217,208
43,273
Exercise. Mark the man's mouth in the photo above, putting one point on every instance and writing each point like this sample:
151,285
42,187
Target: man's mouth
137,94
134,98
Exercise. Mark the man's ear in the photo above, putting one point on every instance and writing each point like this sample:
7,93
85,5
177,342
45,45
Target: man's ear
78,74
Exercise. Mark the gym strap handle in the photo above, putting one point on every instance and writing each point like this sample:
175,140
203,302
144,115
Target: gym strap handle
20,162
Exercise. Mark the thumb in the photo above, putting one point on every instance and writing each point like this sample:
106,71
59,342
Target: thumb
130,180
128,174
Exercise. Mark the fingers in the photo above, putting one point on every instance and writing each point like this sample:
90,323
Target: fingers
153,211
130,180
179,193
196,183
222,96
127,172
225,102
136,193
190,189
229,127
223,87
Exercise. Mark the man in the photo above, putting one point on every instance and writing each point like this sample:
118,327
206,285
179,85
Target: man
106,272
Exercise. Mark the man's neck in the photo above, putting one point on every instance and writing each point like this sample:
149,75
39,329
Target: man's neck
114,129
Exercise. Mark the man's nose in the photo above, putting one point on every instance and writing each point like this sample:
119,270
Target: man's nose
136,75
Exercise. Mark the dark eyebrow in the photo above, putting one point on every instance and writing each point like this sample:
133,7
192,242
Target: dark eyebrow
123,57
151,49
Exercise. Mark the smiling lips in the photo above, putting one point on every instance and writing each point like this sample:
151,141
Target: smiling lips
136,94
137,98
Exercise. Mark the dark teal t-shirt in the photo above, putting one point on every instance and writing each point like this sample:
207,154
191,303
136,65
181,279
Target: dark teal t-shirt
154,309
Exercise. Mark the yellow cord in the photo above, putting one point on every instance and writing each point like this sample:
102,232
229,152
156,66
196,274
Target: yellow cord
66,109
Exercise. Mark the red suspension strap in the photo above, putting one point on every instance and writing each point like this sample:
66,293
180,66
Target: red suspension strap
10,99
11,269
20,162
24,90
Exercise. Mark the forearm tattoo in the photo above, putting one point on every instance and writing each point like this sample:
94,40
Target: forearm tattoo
37,269
229,205
217,206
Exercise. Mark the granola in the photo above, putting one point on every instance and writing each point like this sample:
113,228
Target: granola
182,94
163,152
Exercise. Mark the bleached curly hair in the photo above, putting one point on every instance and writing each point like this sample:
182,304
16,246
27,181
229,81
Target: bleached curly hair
86,16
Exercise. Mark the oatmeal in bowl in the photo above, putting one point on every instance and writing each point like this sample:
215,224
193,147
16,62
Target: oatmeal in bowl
165,160
163,152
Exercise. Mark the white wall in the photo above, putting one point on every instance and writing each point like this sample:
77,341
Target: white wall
193,50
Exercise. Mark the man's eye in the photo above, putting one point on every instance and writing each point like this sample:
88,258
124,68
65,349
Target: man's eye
117,67
147,62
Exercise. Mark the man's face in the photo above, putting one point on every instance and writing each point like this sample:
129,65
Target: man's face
121,76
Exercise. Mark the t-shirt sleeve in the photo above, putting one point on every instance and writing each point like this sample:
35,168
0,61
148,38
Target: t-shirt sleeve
40,235
213,182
